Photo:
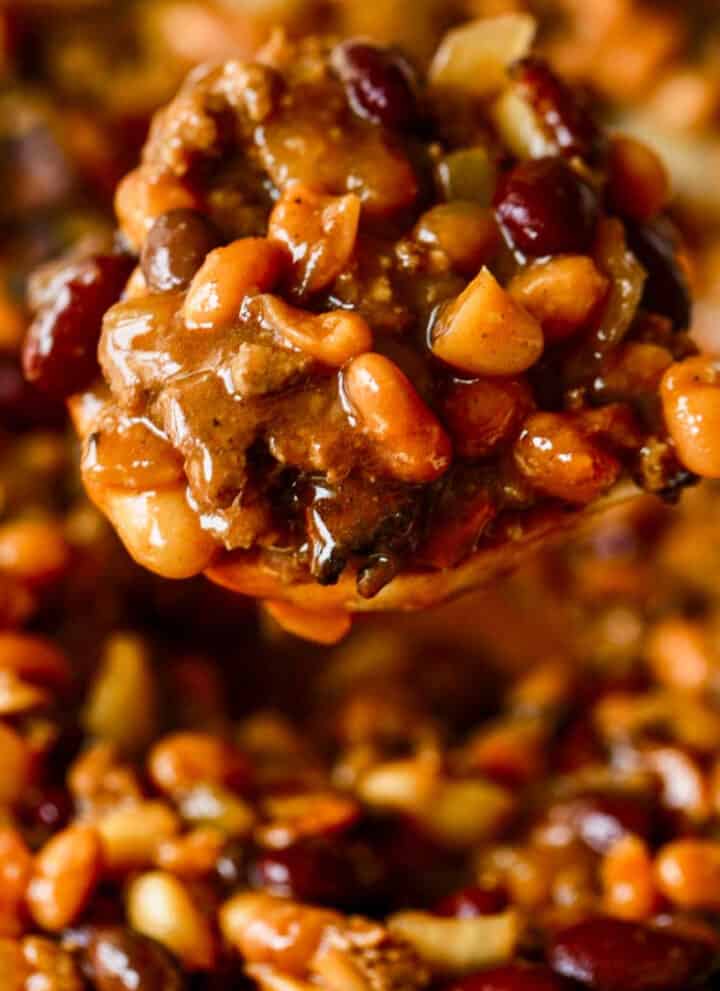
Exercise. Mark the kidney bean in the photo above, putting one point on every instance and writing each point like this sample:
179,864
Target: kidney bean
563,116
49,809
545,208
118,959
309,871
511,977
616,955
379,83
60,350
22,407
601,820
666,288
469,903
175,248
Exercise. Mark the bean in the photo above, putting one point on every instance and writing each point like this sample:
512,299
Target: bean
328,627
560,460
639,184
131,834
22,406
267,929
16,765
33,551
159,530
33,658
179,762
65,873
562,116
316,871
406,436
332,338
680,654
511,977
143,196
465,232
379,84
562,294
160,907
485,414
485,332
627,879
690,393
616,955
229,274
688,873
319,232
195,854
545,209
175,248
60,350
470,902
16,865
666,287
308,815
119,959
600,820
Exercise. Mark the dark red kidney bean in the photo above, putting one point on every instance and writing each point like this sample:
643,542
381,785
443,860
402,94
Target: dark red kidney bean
379,83
600,820
60,350
666,289
22,407
576,746
51,808
471,902
614,955
233,864
313,871
118,959
175,248
561,111
544,208
512,977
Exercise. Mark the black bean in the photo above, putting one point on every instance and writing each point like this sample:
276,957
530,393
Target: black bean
666,289
176,247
